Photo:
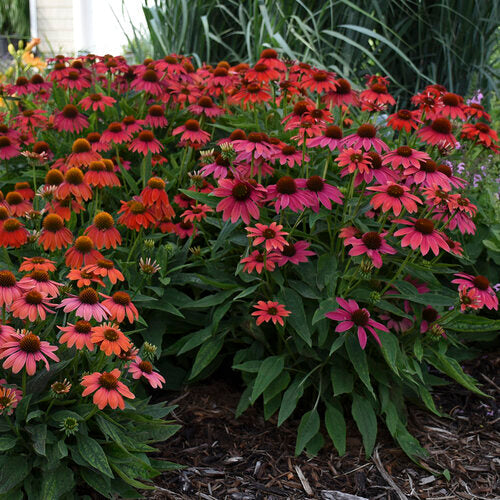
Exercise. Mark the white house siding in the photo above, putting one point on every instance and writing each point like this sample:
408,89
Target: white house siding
54,23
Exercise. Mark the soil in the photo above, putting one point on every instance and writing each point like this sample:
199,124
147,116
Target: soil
250,459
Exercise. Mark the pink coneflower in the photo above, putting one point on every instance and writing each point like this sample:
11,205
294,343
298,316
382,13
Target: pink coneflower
479,284
41,282
86,305
404,120
192,132
429,316
103,231
139,368
394,197
256,260
300,109
405,157
25,349
396,323
295,253
427,174
469,299
146,142
365,138
462,204
320,192
438,133
116,133
70,120
372,244
75,80
240,200
77,335
8,148
149,82
156,117
20,87
120,306
218,168
37,264
252,93
132,125
332,138
255,145
110,339
455,247
421,234
9,289
185,229
82,253
271,234
205,106
83,278
108,389
96,142
97,102
350,315
289,155
287,194
270,311
456,182
31,118
105,268
353,160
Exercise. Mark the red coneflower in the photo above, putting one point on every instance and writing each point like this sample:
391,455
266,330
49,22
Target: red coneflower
31,118
270,311
146,142
255,261
451,105
103,232
421,234
341,95
171,65
332,137
9,289
262,73
8,148
54,234
287,194
196,213
240,200
78,335
149,82
25,190
25,349
116,133
365,138
269,57
353,160
108,389
83,278
156,117
404,120
192,132
76,80
481,285
394,197
378,95
135,214
404,156
13,234
184,229
438,133
97,102
319,81
205,106
110,339
96,142
69,119
481,132
120,306
81,154
105,268
476,110
17,205
252,93
82,253
74,184
154,196
320,192
86,305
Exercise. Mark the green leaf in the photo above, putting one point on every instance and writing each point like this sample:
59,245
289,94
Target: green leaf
277,386
13,470
469,323
269,369
308,427
131,481
293,302
327,271
341,377
206,354
39,437
358,360
92,452
7,442
211,201
251,366
366,420
290,399
426,299
390,350
335,425
57,482
96,481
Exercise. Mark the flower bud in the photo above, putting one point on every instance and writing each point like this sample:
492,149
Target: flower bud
70,426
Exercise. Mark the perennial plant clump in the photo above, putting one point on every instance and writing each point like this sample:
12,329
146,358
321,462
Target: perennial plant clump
158,221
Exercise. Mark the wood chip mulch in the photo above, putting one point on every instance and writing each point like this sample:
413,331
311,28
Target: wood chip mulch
251,459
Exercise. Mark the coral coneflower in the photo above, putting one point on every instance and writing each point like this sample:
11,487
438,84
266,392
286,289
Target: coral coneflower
252,93
37,264
206,106
120,306
372,244
25,190
9,398
13,233
135,214
81,154
54,234
481,132
74,184
24,350
82,253
155,197
192,132
110,339
343,94
404,120
98,176
139,368
270,311
286,192
365,138
133,125
394,197
156,117
262,73
146,142
320,192
31,305
469,299
149,82
271,235
350,315
96,142
294,252
78,335
256,261
405,157
97,102
290,155
377,95
427,174
421,234
196,213
105,268
438,133
353,160
18,206
84,279
332,138
69,119
41,282
481,285
86,305
107,388
240,200
9,289
320,81
103,231
116,133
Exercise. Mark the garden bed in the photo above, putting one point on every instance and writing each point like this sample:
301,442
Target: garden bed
249,458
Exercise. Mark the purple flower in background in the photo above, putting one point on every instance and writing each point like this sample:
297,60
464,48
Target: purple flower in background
476,98
460,167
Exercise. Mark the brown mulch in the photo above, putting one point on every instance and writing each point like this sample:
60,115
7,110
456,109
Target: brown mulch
250,459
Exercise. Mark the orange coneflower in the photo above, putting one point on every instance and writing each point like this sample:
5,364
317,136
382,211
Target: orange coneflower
135,214
82,253
103,231
18,206
110,339
120,306
108,389
105,268
13,233
54,234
